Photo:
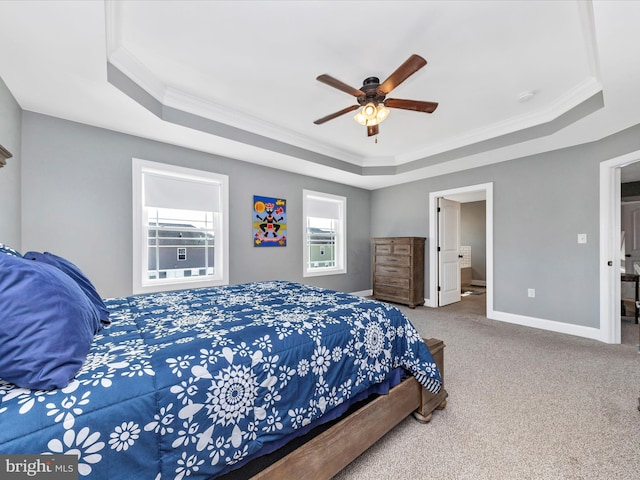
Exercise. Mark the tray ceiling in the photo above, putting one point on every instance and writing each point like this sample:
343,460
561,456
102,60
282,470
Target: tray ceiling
238,78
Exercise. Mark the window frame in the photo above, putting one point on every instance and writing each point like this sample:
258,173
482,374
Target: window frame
140,244
309,196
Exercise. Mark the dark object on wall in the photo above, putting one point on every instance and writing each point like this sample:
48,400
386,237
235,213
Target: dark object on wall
4,154
630,189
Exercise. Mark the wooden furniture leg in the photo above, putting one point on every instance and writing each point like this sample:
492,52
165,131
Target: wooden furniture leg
429,401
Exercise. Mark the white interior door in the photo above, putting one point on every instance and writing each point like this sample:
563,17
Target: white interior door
448,251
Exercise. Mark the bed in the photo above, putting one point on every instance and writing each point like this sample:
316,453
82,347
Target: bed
204,383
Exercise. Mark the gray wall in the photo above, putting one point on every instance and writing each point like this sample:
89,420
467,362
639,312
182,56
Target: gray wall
10,132
541,203
76,201
77,197
473,232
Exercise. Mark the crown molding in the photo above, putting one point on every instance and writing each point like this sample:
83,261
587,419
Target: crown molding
574,97
128,64
186,102
168,97
580,93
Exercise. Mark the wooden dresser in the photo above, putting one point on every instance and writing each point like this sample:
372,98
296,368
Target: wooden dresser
398,270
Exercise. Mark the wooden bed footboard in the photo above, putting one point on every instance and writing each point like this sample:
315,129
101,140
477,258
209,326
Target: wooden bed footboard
430,401
326,454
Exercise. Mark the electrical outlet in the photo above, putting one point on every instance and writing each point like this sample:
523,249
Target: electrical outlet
531,292
582,238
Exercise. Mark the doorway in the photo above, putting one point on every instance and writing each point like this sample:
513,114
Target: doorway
610,241
466,194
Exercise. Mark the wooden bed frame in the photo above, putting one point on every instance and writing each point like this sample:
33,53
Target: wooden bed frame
332,450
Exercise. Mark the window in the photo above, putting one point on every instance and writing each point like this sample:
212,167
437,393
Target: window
180,228
325,234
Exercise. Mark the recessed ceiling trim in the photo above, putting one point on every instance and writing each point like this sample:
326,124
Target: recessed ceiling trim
127,63
588,24
112,16
535,130
589,106
171,97
574,97
190,103
130,66
580,93
189,120
178,106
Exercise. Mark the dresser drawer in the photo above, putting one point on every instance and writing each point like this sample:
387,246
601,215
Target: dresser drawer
392,280
391,292
402,249
393,249
385,249
399,260
392,270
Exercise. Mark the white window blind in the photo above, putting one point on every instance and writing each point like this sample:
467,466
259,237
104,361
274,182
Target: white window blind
181,193
318,207
325,234
180,227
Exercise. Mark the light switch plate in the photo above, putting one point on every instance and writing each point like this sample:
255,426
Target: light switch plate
582,238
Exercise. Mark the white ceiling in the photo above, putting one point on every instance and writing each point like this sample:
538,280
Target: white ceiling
237,78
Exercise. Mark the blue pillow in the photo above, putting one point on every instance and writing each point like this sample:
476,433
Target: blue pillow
80,278
8,250
47,324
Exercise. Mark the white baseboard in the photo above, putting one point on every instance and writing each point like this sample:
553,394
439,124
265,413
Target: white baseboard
551,325
363,293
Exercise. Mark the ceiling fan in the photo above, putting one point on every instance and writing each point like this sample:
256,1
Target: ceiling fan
372,96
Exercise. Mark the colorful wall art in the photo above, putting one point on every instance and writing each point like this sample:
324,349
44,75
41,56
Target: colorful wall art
269,222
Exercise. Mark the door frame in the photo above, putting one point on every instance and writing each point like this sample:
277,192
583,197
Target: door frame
487,188
610,228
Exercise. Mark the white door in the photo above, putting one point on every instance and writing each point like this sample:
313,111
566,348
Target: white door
448,251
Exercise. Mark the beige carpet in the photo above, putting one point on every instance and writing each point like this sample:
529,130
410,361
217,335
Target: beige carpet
523,404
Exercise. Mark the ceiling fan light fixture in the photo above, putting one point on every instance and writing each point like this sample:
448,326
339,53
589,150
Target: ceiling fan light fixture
360,118
371,114
369,111
372,96
383,112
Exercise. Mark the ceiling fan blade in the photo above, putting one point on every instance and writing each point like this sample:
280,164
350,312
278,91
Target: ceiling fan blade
336,114
415,105
372,130
404,71
335,83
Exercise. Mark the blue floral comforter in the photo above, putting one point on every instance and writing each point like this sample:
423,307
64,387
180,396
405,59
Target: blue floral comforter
192,383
